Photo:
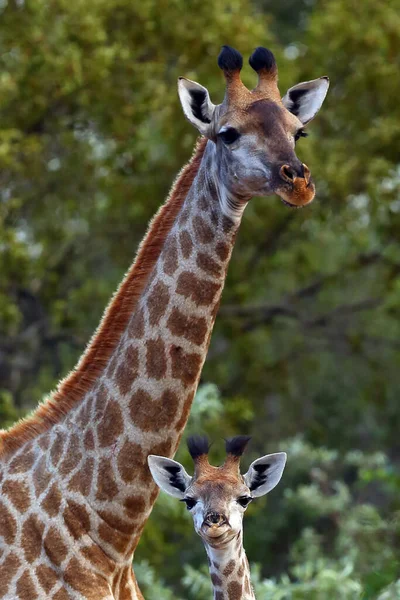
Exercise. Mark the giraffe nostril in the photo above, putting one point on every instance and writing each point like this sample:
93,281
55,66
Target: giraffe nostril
287,173
214,518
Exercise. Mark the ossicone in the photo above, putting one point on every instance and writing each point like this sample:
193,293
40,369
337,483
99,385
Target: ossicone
198,445
237,445
230,60
262,59
264,64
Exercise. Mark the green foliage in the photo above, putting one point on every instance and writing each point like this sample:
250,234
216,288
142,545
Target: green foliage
306,346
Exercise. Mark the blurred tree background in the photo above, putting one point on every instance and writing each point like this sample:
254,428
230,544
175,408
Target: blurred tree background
306,349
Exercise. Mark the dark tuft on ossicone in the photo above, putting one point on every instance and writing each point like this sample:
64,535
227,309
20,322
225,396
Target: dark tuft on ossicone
198,445
230,59
262,58
237,445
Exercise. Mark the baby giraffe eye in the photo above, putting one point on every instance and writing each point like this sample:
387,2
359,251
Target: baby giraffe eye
190,503
230,135
299,134
244,501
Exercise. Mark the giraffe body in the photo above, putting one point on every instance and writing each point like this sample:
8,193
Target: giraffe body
82,490
75,488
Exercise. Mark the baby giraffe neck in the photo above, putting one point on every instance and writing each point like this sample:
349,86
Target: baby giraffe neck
230,571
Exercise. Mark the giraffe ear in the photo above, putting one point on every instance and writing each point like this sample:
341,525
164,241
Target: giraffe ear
305,99
196,104
169,475
265,473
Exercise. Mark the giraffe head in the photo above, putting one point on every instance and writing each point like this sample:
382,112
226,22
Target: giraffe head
255,132
217,497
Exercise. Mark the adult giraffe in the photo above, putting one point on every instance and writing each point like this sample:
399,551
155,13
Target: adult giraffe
75,487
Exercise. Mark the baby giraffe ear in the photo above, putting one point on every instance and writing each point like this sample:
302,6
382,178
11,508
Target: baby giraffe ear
196,104
265,473
169,475
305,99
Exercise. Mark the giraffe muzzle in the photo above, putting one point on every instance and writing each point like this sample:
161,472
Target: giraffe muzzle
296,187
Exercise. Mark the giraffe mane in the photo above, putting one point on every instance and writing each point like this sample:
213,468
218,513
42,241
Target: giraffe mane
79,381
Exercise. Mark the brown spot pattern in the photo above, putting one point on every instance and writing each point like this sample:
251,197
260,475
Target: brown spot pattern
222,249
229,568
130,461
41,477
18,493
186,243
73,456
202,203
79,578
235,590
157,302
62,594
115,538
190,327
44,441
152,414
52,501
136,326
82,480
76,518
89,440
57,448
135,505
186,366
55,546
156,361
115,521
32,533
171,257
208,265
184,216
25,587
128,370
107,488
7,572
8,524
204,233
98,558
47,577
86,409
111,426
22,463
216,581
185,412
202,292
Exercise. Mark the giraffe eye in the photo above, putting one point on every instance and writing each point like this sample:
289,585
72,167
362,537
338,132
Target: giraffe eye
190,503
244,501
230,135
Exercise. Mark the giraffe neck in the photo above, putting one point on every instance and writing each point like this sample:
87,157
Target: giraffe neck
88,467
230,571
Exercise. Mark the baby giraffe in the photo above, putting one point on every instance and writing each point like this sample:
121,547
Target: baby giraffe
217,498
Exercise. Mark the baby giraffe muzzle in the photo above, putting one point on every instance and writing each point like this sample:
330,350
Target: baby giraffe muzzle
217,498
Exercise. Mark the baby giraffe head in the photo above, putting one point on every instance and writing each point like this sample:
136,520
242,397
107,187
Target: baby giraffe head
217,497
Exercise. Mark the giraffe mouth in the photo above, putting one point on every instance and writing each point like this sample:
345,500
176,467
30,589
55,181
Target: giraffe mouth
296,194
215,531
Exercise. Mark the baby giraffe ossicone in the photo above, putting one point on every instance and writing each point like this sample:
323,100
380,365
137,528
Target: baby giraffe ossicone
217,498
